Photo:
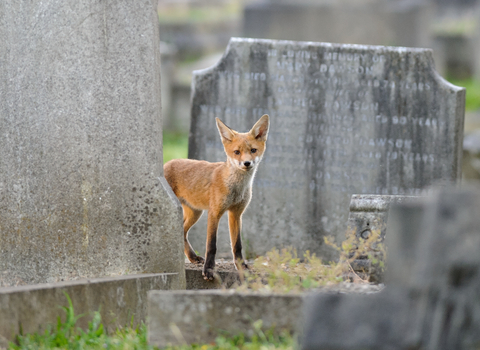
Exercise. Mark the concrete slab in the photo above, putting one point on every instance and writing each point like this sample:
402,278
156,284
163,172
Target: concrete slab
119,299
176,317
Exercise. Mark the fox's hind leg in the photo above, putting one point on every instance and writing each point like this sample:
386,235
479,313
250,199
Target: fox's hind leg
190,217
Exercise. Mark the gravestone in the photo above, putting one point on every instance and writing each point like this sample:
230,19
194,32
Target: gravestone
434,304
390,319
404,227
81,176
367,228
369,213
345,119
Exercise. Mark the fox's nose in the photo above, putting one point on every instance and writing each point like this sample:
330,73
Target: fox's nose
247,163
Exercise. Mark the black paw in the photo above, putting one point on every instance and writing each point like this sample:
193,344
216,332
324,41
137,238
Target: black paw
208,274
195,259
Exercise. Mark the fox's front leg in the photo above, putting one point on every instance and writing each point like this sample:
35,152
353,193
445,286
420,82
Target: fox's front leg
235,226
212,226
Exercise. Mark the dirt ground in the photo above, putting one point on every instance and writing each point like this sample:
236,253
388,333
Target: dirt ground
224,265
221,265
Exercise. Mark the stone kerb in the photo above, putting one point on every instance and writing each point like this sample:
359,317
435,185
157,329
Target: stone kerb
119,300
180,317
82,188
345,119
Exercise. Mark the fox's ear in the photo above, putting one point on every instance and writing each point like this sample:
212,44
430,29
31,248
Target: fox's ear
226,133
260,129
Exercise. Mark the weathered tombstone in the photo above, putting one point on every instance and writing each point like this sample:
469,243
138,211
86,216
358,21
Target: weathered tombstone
448,248
404,227
437,307
447,263
387,320
366,229
437,242
344,119
81,176
369,213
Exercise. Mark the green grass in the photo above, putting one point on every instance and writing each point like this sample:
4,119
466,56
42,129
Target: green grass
283,271
175,145
66,335
278,271
472,99
259,341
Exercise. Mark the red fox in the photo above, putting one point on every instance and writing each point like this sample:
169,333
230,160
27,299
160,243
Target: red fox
219,187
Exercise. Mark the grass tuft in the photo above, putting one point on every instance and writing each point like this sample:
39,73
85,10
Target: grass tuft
282,271
260,340
66,335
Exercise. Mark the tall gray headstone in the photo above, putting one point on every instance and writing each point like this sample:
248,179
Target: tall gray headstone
344,119
81,177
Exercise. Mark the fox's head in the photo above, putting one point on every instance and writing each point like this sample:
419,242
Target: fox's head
245,150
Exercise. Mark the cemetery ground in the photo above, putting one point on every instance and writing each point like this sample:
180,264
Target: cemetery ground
279,271
65,335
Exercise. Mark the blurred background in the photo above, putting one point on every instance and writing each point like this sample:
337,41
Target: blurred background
195,33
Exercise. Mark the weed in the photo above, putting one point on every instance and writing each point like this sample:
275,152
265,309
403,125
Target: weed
282,271
370,250
260,340
66,335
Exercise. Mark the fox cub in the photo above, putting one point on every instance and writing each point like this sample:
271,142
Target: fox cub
219,187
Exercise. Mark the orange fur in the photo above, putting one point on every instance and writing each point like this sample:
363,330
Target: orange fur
219,187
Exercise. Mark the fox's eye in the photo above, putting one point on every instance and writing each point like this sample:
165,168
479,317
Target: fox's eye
254,150
237,152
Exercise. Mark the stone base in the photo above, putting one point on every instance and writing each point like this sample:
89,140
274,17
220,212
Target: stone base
31,308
